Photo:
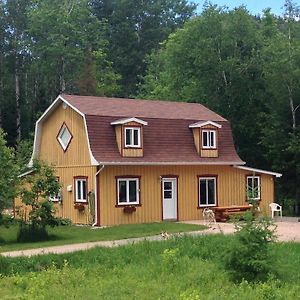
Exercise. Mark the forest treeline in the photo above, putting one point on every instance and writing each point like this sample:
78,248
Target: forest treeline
245,67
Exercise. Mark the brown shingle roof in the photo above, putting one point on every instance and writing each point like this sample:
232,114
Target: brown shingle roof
103,106
167,137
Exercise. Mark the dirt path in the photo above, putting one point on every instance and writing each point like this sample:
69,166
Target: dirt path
286,231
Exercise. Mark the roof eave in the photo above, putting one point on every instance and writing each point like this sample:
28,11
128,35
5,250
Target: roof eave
277,175
180,163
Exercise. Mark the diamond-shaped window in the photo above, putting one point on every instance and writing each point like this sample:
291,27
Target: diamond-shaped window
64,137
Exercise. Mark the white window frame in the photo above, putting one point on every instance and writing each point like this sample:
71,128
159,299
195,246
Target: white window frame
209,145
252,177
63,145
57,197
84,197
127,180
215,191
132,129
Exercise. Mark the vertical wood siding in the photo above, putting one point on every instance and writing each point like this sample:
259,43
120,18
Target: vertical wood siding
231,190
196,135
51,151
209,153
75,161
66,208
118,131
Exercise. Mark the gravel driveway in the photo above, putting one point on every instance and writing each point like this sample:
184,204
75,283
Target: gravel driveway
288,229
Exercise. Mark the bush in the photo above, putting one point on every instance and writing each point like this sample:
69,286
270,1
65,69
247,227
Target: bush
31,233
36,191
63,222
249,256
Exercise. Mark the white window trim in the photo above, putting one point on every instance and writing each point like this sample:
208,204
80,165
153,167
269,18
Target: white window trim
209,146
259,186
215,192
56,198
132,137
81,187
127,191
63,145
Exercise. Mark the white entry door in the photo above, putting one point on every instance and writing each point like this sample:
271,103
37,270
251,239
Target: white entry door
169,194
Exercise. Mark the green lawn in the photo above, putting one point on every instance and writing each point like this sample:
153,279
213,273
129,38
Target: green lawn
186,268
63,235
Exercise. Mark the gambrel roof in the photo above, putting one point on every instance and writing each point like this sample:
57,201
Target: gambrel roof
167,137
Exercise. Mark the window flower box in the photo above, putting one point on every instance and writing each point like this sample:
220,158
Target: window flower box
79,206
129,209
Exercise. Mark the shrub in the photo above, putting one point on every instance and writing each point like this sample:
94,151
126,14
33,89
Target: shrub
37,188
63,222
249,256
31,233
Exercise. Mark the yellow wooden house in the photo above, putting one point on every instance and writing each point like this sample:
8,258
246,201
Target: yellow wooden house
143,161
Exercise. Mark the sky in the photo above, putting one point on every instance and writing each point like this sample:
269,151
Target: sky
254,6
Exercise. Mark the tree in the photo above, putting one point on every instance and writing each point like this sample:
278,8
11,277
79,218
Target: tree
66,40
9,174
135,29
214,59
249,257
280,57
36,190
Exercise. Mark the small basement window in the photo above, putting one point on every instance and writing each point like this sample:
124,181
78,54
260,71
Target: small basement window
209,139
81,189
128,191
64,137
133,137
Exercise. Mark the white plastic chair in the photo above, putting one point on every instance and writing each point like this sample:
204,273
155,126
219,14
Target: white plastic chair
275,208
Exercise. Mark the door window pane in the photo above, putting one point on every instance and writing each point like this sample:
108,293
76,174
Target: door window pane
167,185
168,195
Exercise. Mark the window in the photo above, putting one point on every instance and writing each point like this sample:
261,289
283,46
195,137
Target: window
128,191
207,191
80,189
64,137
57,197
133,137
253,187
209,139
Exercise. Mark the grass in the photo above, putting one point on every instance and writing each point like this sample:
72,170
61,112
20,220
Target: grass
63,235
186,268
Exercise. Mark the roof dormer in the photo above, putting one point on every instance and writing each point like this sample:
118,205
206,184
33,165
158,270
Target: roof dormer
129,136
206,138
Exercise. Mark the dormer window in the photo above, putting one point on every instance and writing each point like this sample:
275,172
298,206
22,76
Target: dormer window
209,139
206,135
132,137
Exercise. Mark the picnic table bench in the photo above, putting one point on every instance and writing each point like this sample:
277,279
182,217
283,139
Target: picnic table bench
222,213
